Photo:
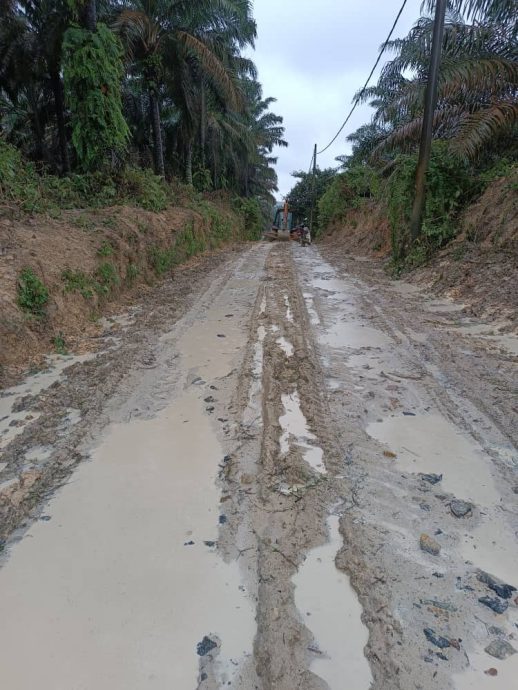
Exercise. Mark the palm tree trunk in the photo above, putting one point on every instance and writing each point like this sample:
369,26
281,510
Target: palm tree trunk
158,150
203,124
188,163
89,15
57,88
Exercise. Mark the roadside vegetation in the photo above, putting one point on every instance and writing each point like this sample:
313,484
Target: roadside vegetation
119,102
475,132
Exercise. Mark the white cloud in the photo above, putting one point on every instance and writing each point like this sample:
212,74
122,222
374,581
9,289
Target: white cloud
313,57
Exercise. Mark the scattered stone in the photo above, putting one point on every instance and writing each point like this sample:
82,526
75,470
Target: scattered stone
221,335
23,403
205,646
210,409
429,545
45,518
441,656
515,489
504,591
409,414
494,630
424,506
438,575
436,639
222,519
189,543
439,604
428,659
210,399
431,478
500,649
460,508
491,672
210,544
495,604
227,458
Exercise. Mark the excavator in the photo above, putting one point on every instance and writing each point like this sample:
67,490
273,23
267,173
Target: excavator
284,227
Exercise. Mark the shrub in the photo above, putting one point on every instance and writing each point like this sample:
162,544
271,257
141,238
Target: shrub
254,219
32,293
449,187
107,276
77,281
347,191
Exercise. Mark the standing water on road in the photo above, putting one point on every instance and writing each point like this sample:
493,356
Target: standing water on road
331,610
130,584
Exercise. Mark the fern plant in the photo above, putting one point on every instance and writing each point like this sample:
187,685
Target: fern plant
92,71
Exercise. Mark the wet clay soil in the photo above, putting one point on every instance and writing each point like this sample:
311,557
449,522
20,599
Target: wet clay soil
231,490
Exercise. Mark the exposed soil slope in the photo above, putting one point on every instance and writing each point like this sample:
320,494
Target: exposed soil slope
479,267
90,261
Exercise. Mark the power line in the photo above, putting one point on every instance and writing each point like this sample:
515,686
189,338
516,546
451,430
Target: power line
357,99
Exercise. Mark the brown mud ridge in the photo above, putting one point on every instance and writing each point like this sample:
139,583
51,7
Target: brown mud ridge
280,473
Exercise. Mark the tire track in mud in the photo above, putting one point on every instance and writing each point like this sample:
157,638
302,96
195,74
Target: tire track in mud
284,501
401,588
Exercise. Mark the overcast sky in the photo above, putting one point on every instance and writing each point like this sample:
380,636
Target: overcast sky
313,55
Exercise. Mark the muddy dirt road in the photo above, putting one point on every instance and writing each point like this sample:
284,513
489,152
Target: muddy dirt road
280,470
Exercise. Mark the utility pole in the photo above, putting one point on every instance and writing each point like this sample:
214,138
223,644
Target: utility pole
430,103
313,190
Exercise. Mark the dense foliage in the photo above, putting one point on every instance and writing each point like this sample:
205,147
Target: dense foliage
475,126
141,83
92,71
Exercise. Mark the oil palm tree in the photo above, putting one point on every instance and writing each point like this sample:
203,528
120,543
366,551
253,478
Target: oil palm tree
167,40
477,90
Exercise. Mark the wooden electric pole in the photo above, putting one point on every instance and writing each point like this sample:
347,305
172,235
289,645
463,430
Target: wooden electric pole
429,110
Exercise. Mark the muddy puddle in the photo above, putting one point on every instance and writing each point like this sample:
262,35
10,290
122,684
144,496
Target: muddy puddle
124,580
430,444
295,432
330,609
310,306
477,678
354,335
489,334
285,346
289,312
12,421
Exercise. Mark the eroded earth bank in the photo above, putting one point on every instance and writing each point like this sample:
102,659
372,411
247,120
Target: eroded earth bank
283,470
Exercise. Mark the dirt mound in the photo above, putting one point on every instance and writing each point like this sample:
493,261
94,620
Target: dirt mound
479,267
365,231
89,261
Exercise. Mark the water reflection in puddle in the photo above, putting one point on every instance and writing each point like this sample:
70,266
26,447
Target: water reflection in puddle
285,346
354,335
294,426
325,593
310,306
289,313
